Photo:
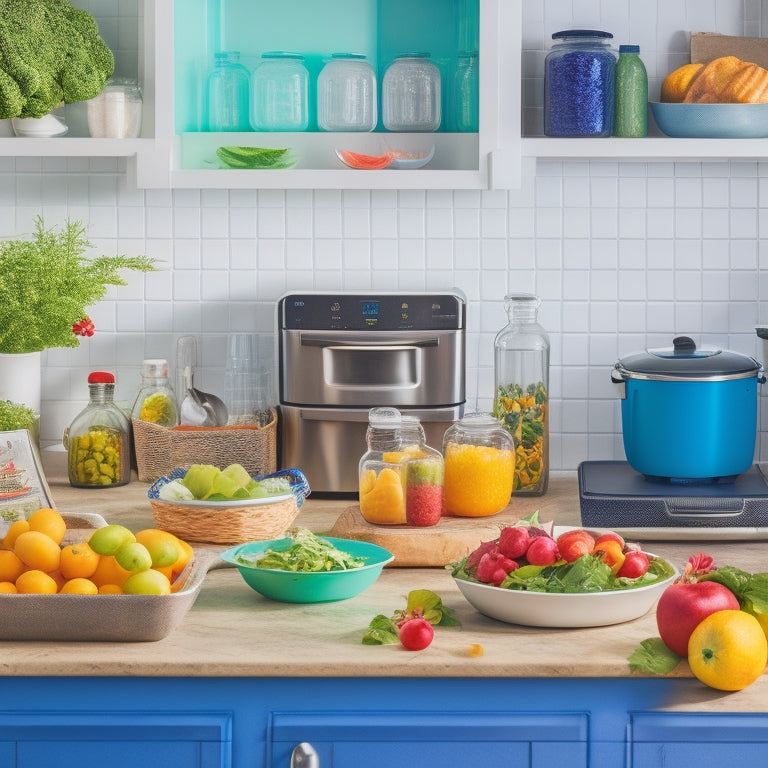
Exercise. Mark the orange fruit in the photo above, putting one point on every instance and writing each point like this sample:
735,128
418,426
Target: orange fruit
110,589
36,582
163,547
728,650
109,571
78,561
11,567
14,529
49,522
79,586
8,588
38,551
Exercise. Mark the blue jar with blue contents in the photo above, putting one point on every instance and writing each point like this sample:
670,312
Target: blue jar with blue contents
579,84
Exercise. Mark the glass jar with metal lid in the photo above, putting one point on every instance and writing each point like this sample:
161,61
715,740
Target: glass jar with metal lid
579,84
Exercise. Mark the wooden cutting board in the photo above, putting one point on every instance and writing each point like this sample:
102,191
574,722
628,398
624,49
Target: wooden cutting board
437,545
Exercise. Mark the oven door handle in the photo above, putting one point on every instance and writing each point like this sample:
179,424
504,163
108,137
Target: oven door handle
320,341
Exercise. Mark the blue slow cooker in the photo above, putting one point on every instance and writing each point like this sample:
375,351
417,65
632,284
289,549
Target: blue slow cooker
689,414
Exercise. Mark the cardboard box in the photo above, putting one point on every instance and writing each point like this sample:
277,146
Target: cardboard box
706,46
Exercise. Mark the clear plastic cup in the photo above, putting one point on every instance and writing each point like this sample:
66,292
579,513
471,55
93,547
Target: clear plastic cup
346,94
249,378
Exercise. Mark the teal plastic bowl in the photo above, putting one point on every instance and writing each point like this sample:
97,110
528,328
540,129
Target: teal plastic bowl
321,587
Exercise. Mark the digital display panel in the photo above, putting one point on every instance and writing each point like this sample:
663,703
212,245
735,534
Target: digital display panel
370,309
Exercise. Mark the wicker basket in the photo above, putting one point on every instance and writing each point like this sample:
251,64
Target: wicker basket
160,449
226,525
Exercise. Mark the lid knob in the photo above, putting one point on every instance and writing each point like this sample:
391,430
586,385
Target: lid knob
683,345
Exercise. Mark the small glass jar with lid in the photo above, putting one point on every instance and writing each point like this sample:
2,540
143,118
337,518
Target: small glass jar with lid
382,495
156,401
521,390
479,466
579,84
346,94
411,94
424,475
279,93
98,440
229,85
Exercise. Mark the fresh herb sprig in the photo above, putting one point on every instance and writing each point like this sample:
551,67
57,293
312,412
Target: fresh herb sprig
47,285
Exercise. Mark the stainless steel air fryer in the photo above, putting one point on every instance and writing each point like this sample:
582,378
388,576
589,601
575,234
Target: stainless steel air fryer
341,354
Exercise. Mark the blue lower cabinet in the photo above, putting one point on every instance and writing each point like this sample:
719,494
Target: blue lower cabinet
115,739
662,739
377,739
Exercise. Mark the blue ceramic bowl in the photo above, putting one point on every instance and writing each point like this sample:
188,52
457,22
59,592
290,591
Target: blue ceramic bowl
712,121
310,587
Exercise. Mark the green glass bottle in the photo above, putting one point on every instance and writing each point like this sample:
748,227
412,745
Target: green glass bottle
630,117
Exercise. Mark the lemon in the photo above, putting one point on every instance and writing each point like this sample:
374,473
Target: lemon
728,650
163,547
149,582
108,539
133,556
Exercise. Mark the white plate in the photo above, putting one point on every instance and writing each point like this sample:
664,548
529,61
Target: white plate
549,609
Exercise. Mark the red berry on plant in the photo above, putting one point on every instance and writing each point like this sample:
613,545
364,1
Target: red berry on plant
416,634
84,327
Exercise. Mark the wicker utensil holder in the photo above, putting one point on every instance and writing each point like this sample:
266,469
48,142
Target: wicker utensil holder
226,525
160,449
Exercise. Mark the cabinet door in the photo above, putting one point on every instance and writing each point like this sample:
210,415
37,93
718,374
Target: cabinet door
661,739
432,740
115,739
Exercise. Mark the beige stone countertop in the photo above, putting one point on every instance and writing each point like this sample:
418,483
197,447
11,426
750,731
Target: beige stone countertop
232,631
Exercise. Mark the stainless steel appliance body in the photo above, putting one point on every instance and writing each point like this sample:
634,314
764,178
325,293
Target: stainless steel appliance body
342,354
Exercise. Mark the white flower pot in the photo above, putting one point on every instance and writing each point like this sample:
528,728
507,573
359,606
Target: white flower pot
20,379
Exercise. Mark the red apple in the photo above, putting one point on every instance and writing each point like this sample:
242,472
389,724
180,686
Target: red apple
684,605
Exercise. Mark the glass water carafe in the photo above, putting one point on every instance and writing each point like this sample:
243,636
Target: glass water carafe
521,390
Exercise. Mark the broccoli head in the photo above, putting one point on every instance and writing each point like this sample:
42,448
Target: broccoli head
49,52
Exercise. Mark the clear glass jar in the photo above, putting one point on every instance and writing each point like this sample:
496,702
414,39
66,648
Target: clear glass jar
411,94
346,94
156,401
229,85
467,92
521,390
424,475
116,112
279,93
381,469
98,440
479,466
579,84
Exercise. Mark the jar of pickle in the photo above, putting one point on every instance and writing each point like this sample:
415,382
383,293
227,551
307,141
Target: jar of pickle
99,439
479,466
521,390
381,470
423,476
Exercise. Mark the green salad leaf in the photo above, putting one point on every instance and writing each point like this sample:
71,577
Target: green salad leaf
653,657
751,589
307,553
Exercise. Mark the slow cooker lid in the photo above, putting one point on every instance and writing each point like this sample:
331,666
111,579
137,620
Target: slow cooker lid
684,359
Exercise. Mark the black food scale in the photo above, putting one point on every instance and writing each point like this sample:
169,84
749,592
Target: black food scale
612,495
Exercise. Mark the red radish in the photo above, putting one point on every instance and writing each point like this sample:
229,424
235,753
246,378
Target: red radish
475,556
542,551
416,634
494,567
635,565
574,544
514,541
686,603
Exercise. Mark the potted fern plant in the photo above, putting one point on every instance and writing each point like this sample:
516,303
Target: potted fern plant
46,286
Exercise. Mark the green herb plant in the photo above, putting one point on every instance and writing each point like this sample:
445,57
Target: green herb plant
15,416
46,284
422,603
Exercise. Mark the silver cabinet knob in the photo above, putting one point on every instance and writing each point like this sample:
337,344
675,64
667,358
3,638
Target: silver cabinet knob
304,756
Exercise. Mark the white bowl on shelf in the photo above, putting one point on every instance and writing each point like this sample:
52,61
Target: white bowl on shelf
45,127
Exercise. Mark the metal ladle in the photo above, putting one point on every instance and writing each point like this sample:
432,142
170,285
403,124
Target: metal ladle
201,409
